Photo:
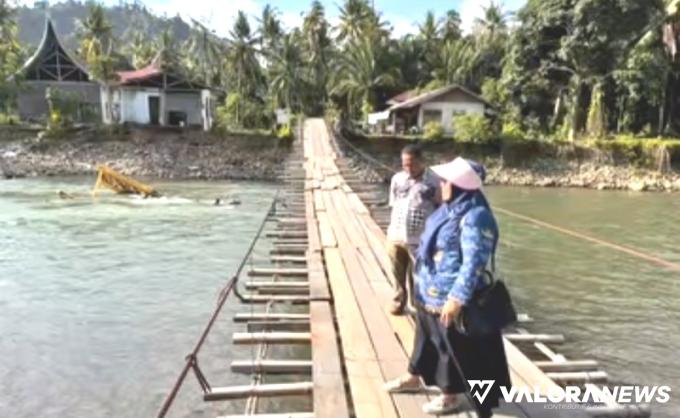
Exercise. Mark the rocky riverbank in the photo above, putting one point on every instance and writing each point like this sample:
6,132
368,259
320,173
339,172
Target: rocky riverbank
585,171
586,175
145,153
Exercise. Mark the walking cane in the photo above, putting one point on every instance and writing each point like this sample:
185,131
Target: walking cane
459,370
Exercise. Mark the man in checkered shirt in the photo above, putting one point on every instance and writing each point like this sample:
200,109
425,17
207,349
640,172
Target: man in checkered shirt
414,195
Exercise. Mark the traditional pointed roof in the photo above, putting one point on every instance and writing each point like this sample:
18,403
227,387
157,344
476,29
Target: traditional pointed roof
51,62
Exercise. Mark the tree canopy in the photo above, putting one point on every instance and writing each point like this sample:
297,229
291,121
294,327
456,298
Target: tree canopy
570,67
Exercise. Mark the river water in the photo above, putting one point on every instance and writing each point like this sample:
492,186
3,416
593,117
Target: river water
101,299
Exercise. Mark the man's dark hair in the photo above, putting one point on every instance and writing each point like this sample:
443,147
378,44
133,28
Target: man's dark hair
414,151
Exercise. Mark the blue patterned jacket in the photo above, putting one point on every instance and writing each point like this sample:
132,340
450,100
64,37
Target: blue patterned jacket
460,258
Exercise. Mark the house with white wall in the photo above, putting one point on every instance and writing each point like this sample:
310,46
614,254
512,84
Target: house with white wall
155,96
409,110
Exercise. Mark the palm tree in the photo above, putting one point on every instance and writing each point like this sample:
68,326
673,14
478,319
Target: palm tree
451,28
456,62
286,78
429,30
315,31
95,33
353,17
270,30
357,75
204,53
141,50
494,20
242,61
409,52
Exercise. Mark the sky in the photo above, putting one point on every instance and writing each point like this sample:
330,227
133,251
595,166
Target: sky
403,15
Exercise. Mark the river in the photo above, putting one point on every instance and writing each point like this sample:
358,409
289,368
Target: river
102,298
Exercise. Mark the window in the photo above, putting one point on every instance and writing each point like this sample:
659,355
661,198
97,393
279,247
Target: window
432,115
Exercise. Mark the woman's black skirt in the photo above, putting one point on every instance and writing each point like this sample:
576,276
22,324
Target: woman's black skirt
481,358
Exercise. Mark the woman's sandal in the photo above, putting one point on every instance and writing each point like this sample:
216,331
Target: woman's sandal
442,405
404,384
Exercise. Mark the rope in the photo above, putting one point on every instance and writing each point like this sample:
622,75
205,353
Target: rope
191,362
627,250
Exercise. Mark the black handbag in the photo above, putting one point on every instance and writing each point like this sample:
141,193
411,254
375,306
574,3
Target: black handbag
488,312
490,309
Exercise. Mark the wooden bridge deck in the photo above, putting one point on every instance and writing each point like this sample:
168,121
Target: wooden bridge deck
375,344
334,260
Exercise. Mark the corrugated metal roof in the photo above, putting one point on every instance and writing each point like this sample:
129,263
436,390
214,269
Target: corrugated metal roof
152,70
429,96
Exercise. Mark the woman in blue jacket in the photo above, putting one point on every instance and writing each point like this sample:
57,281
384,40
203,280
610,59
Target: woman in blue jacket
458,242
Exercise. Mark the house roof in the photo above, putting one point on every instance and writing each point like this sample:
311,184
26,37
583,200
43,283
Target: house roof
150,71
50,61
403,96
431,95
154,75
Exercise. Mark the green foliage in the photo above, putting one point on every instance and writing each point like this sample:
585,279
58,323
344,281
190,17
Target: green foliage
8,119
597,119
358,74
95,33
473,128
11,55
512,131
285,78
285,132
640,151
433,131
241,113
66,108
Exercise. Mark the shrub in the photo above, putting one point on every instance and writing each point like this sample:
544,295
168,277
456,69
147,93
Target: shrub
473,128
285,132
8,119
239,112
433,131
512,131
640,151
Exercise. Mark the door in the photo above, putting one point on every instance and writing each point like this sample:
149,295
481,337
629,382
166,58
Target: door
154,109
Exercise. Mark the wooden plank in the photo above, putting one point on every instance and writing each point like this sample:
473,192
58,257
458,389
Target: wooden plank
268,390
318,283
318,201
568,365
578,377
277,284
391,355
326,232
313,234
284,415
278,326
288,250
287,234
270,366
288,259
277,271
543,338
271,337
267,316
524,373
402,325
363,371
262,298
329,396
